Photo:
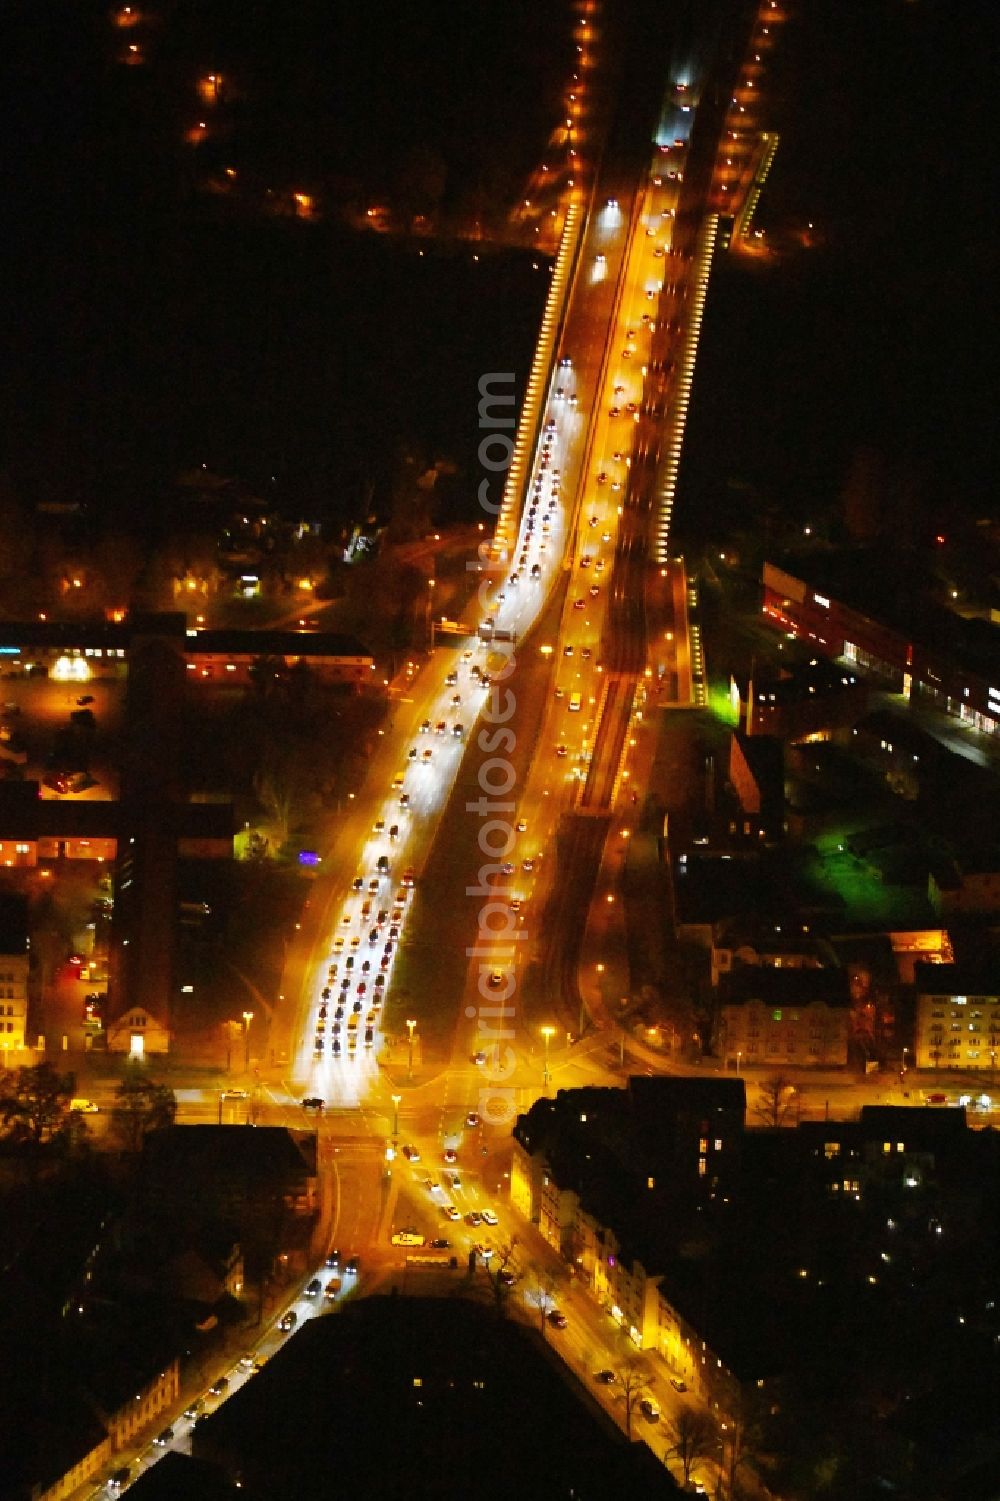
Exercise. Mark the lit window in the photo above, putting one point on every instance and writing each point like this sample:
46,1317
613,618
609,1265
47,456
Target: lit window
702,1167
718,1143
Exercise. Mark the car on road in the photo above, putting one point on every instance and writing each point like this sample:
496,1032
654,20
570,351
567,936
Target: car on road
605,1377
353,1266
313,1102
333,1260
404,799
163,1439
649,1409
425,727
222,1385
412,753
557,1320
313,1288
483,1250
474,1218
677,1384
408,1237
450,1156
472,1119
561,750
451,1212
194,1410
440,1243
489,1218
236,1094
568,649
378,826
120,1479
411,1154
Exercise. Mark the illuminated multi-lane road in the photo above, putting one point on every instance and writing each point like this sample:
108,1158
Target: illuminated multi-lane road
584,525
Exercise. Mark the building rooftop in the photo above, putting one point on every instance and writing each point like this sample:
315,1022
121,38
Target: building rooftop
41,1440
13,924
785,987
957,979
76,635
277,644
710,888
229,1152
178,1477
398,1396
896,590
26,815
916,1125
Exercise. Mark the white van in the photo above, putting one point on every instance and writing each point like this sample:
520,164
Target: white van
574,703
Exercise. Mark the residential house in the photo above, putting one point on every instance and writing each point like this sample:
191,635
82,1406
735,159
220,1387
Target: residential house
13,973
775,1018
957,1023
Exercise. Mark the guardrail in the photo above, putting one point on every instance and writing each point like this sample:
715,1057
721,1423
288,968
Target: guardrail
666,488
529,421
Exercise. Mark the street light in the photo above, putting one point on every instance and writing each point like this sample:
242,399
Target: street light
411,1027
547,1033
247,1019
430,610
395,1116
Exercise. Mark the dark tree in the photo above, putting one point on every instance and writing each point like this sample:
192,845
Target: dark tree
693,1437
777,1097
546,1283
35,1102
141,1105
633,1376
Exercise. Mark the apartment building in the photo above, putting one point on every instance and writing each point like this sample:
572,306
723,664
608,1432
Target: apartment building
13,973
957,1023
